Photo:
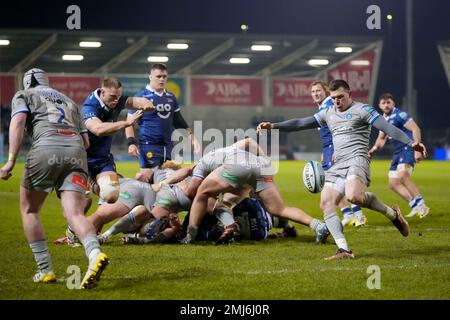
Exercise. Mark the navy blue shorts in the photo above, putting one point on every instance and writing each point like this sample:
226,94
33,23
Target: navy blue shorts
152,156
257,216
405,156
97,166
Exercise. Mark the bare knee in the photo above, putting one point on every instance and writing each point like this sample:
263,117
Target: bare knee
326,205
141,214
356,198
395,183
112,197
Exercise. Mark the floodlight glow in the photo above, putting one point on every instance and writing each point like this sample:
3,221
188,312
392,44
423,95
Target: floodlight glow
72,57
157,59
318,62
4,42
240,60
343,49
90,44
261,47
177,46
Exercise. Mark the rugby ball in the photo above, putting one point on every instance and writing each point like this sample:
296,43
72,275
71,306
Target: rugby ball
313,176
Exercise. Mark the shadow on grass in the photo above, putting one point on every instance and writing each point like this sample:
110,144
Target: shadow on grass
162,278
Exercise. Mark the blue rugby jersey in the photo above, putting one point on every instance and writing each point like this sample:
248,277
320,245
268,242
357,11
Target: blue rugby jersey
94,107
325,135
156,126
398,118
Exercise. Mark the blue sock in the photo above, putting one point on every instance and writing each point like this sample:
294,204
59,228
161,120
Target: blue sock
346,211
419,200
356,208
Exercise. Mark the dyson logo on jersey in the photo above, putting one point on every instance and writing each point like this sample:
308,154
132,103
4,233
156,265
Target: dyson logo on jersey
63,160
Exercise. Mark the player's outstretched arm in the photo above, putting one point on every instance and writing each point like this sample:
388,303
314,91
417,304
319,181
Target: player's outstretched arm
100,128
16,130
291,125
412,126
397,134
175,177
139,103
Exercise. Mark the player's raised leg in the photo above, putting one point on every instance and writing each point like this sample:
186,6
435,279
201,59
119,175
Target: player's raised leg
354,191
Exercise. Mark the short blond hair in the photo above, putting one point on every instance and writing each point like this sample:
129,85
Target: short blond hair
170,164
321,83
109,82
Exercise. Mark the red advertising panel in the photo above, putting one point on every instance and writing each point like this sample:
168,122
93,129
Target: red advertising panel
292,93
7,89
76,88
358,72
227,92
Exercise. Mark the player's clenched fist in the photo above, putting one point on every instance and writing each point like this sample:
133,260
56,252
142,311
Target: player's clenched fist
264,126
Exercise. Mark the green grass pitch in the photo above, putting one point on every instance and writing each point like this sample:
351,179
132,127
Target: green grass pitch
417,267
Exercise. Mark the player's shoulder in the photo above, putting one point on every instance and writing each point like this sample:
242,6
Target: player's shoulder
403,115
92,100
364,107
327,103
170,96
21,94
144,92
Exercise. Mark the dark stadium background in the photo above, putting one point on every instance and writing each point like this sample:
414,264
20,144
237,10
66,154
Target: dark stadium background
348,17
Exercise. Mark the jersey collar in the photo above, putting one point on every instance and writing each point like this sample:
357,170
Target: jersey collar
102,104
152,91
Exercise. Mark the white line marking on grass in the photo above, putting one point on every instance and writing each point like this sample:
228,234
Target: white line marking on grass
327,269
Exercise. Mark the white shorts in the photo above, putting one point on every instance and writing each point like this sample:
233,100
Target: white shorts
393,174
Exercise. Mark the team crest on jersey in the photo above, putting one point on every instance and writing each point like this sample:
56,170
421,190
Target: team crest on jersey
149,155
349,116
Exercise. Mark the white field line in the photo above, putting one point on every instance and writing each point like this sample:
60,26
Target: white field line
283,271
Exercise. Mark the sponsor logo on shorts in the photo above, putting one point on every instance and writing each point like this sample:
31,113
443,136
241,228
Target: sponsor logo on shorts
125,195
80,181
230,177
62,160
